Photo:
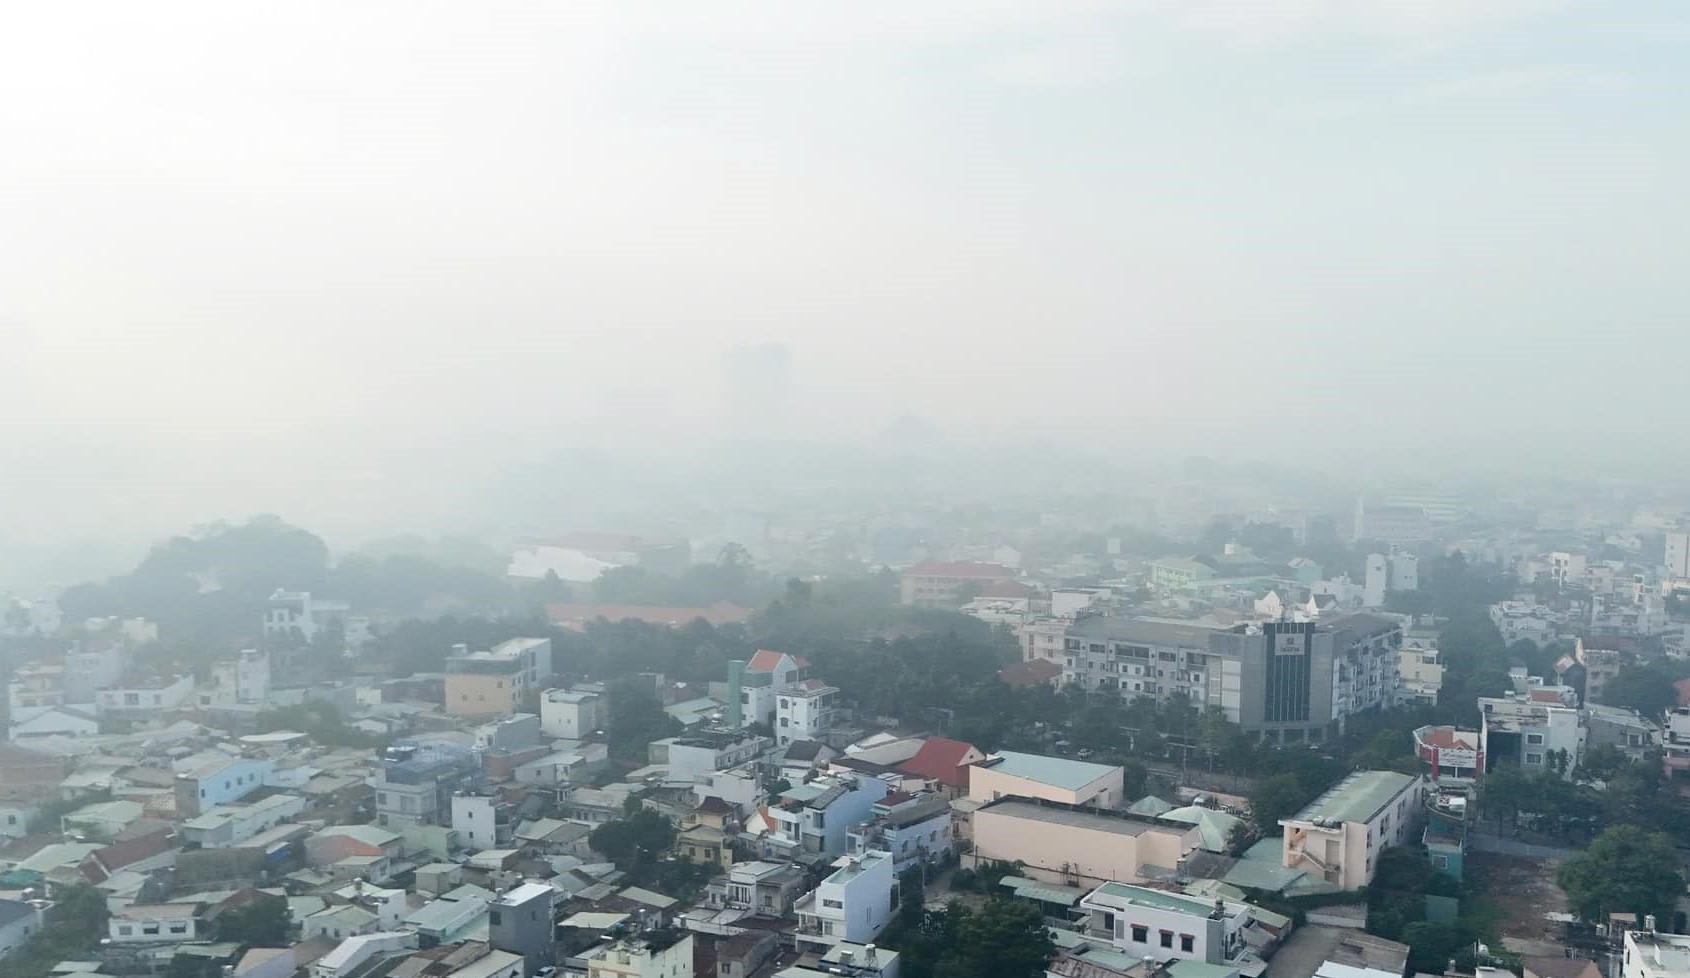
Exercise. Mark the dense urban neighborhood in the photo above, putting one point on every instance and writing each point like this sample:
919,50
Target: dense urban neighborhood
1434,734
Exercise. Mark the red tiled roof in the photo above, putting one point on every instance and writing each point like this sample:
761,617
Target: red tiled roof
940,759
1005,589
102,863
1029,673
766,661
959,568
720,613
1546,696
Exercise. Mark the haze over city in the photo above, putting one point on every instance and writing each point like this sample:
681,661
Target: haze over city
356,264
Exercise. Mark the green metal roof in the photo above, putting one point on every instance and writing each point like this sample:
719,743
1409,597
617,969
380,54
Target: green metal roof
1031,889
1159,899
1357,798
1058,772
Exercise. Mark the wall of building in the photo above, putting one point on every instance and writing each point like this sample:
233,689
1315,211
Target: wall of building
1075,855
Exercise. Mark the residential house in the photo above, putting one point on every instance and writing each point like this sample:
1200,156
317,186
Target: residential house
414,782
944,764
210,778
1154,923
159,923
694,755
370,852
522,921
144,696
1541,729
339,922
1649,953
1339,835
706,834
762,675
804,711
19,920
297,616
811,820
854,903
231,824
766,889
571,715
564,767
450,916
483,820
492,682
912,830
663,953
355,953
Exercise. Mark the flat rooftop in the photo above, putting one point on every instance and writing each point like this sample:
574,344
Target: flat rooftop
1122,894
1143,631
1358,797
1058,772
1115,823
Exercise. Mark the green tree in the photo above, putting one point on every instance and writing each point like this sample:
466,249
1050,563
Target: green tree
1005,939
76,926
636,844
1277,797
261,922
1646,689
1626,869
637,719
1505,791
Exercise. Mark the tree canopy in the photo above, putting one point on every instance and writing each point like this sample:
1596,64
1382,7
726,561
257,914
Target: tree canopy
1626,869
1644,688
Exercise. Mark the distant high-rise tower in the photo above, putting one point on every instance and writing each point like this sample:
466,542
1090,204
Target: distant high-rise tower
1378,580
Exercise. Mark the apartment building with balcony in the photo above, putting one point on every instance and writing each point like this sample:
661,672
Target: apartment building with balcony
766,889
1540,729
854,903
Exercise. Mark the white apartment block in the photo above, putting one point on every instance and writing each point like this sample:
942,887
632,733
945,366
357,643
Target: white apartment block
1533,728
804,711
853,904
1650,954
145,698
1339,835
569,714
298,615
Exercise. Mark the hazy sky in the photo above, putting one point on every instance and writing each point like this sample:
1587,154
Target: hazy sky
252,255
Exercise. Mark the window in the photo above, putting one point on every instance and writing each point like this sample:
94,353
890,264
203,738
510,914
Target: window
1168,938
1141,934
179,928
125,930
1534,738
1534,758
1187,943
494,918
833,904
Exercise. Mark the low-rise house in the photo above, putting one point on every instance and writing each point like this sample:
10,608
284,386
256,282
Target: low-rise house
211,778
1159,924
745,953
663,953
569,714
158,923
1612,726
706,834
19,920
145,696
596,806
339,922
1339,835
1541,729
367,851
812,819
449,916
944,764
766,889
42,722
854,903
102,820
563,767
913,829
354,953
483,820
693,755
1069,782
553,837
804,711
231,824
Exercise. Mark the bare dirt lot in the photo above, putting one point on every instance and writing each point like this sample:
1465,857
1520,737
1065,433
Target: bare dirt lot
1519,891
